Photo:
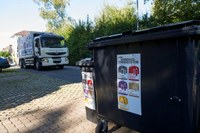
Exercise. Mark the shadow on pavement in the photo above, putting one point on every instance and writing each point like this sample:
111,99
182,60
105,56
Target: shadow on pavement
67,115
49,123
69,118
115,128
18,87
68,73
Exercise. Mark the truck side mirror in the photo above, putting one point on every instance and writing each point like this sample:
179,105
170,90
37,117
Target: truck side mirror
65,43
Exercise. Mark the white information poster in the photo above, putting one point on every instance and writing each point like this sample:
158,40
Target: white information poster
88,89
129,82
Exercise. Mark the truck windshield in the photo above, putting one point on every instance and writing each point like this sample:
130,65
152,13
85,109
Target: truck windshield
53,43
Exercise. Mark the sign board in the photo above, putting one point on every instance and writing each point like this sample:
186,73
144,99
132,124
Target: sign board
129,82
88,89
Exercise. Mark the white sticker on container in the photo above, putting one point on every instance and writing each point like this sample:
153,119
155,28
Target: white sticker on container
88,89
129,82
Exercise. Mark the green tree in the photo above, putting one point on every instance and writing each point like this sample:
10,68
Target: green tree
111,20
79,37
114,20
65,30
54,11
170,11
5,54
147,21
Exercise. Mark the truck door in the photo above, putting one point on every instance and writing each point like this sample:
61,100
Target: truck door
37,47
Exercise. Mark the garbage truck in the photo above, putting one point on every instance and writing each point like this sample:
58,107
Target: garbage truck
42,49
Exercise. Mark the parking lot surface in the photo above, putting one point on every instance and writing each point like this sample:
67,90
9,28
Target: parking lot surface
34,103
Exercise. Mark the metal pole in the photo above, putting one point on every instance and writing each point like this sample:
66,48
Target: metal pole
137,14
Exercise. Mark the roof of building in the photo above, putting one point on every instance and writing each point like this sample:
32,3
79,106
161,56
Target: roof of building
22,33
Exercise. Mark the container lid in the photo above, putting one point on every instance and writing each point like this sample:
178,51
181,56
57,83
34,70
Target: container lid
186,28
87,62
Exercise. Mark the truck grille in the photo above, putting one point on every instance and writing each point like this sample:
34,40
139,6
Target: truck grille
56,59
55,53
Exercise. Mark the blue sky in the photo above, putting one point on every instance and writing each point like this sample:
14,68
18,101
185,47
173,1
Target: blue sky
18,15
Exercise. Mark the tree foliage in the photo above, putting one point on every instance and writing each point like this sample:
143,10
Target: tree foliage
111,20
170,11
114,20
53,11
5,54
147,21
78,39
65,30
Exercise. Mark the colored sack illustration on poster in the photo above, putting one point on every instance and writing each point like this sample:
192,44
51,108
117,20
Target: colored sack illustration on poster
134,89
123,99
122,87
123,102
84,83
90,84
122,72
88,93
133,73
134,86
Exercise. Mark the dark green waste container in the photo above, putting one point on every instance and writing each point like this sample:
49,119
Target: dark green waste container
148,80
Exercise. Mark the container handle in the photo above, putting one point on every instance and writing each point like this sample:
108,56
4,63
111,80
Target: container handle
175,99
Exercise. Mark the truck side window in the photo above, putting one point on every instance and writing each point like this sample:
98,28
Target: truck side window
37,43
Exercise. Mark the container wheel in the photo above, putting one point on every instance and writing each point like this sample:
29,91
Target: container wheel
102,127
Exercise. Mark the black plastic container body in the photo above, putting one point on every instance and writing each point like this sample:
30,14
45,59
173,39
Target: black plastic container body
87,67
170,73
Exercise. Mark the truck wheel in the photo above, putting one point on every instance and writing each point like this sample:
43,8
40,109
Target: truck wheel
37,65
60,67
20,63
24,64
0,69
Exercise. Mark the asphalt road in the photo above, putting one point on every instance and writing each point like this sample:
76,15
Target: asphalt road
68,73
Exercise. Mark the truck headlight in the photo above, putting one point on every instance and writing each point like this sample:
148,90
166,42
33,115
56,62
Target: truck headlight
45,60
66,59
